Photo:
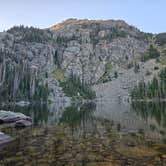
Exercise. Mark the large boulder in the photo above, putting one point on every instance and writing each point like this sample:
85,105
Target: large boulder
18,119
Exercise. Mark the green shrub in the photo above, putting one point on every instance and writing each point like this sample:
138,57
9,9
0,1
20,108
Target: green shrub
152,53
161,39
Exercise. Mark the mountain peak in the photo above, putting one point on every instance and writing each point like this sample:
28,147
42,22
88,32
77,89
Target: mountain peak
74,21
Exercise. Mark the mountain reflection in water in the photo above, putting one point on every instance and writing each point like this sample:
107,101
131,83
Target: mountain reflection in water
87,133
131,117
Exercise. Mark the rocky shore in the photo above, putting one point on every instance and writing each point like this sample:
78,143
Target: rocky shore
10,119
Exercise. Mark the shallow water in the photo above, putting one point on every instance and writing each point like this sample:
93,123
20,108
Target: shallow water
101,133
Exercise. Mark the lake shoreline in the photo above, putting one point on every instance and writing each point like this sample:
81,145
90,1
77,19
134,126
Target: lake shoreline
148,100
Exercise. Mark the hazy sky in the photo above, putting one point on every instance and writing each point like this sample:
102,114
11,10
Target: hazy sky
147,15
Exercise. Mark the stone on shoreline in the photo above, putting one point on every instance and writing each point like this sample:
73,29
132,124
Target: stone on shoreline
18,119
9,117
5,139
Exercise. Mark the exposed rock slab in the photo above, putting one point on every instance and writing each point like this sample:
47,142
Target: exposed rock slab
18,119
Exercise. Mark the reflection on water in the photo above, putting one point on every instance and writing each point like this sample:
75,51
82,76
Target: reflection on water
77,115
42,114
151,112
154,113
80,119
130,117
85,134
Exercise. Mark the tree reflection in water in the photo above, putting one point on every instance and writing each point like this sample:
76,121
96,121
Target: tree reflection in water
79,117
151,110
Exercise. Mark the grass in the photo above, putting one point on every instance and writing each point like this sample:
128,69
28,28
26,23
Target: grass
59,74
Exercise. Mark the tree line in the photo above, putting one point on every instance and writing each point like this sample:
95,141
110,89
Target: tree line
154,89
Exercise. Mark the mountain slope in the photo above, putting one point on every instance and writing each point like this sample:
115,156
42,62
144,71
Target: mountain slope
34,61
86,47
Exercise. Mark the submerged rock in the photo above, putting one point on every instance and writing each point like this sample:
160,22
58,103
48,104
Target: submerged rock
18,119
5,139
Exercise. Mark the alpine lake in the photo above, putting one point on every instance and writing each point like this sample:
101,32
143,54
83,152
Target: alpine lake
100,133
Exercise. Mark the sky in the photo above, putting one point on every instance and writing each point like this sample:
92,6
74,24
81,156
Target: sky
147,15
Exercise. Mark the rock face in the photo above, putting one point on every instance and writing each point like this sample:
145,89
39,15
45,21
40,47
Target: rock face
87,49
29,75
16,119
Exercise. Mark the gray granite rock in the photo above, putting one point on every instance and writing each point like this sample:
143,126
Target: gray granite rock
15,118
